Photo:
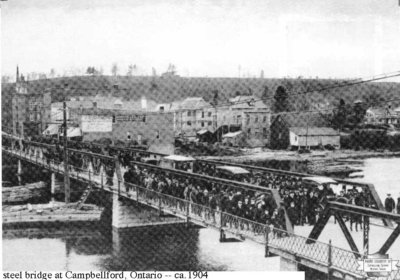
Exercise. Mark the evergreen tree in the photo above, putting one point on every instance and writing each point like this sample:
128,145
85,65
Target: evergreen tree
281,100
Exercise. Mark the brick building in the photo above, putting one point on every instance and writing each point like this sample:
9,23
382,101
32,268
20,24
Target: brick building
31,110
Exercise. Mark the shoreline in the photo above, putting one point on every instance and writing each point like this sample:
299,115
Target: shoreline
282,155
49,213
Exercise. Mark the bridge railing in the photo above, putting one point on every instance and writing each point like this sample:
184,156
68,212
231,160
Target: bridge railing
274,178
279,239
318,252
281,178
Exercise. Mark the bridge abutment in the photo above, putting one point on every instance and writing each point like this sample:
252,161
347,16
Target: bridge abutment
288,264
19,170
128,214
56,185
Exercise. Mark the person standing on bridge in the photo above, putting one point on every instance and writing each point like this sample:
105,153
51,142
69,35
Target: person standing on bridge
398,205
292,214
311,209
389,203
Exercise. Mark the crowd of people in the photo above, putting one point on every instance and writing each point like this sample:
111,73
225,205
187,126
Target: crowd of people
248,204
302,204
390,204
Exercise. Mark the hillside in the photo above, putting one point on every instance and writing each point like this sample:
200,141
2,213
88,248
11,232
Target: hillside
167,89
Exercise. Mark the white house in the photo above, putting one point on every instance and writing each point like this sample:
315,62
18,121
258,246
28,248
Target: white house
313,136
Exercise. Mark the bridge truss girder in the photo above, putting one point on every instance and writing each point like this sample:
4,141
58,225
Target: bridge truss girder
337,210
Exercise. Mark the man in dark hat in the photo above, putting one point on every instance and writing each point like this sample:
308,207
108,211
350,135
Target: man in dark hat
398,205
292,213
389,203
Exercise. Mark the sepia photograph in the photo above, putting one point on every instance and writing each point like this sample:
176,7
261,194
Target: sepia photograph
145,137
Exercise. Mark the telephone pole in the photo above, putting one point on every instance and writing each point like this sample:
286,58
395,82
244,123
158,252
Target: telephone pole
66,175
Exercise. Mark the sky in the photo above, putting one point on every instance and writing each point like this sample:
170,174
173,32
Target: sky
224,38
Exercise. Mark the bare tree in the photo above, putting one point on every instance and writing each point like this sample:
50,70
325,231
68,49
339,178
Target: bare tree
52,73
114,69
5,79
42,76
171,69
132,69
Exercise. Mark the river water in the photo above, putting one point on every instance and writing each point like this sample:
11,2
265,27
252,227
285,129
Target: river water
98,247
384,173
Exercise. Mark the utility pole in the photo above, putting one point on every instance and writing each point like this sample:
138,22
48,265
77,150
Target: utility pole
66,175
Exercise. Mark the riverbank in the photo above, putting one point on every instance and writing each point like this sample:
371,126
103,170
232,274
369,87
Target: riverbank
339,163
53,212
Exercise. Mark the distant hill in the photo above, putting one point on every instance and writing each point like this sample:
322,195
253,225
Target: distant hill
167,89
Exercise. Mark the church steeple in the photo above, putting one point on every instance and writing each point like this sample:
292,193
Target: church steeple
17,74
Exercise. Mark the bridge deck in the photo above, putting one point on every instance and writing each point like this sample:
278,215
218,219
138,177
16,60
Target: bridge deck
314,255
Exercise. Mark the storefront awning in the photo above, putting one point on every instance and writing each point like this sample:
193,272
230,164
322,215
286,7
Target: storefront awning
74,132
51,130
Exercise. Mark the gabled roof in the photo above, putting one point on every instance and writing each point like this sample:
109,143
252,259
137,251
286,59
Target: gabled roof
232,134
190,103
314,131
379,111
247,102
194,103
294,119
203,131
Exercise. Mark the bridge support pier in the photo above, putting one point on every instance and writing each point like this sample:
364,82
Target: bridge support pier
56,185
287,264
128,214
19,171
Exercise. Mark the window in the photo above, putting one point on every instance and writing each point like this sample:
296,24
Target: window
256,120
202,124
209,114
265,131
139,138
38,116
113,118
202,114
157,134
128,135
247,119
265,119
189,123
189,113
249,131
210,123
279,135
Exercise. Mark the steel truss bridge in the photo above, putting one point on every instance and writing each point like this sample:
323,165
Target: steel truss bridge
309,252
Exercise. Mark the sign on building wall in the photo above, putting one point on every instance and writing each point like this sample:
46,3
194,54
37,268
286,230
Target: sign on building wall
92,123
130,118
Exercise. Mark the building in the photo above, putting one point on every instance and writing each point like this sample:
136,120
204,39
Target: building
242,113
249,115
78,103
190,116
291,130
31,110
154,130
313,137
386,115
